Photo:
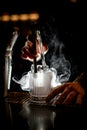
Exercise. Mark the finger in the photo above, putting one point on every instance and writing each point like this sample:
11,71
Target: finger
56,91
69,99
53,100
79,99
63,95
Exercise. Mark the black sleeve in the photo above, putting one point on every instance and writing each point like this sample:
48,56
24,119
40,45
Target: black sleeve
82,79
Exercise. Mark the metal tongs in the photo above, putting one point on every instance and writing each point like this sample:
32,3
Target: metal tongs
8,62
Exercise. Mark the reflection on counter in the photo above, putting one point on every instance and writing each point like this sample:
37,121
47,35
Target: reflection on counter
15,116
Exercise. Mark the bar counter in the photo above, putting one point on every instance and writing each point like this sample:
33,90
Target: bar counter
17,113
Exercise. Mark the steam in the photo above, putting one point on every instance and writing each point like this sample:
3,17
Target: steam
59,69
58,60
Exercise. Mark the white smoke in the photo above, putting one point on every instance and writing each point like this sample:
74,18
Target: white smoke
60,68
58,60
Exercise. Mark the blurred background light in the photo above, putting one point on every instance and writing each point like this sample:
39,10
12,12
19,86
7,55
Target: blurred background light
5,17
14,17
34,16
74,1
22,17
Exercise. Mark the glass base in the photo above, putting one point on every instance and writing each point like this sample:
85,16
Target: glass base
38,100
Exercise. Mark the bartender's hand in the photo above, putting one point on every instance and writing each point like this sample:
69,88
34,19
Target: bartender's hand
66,94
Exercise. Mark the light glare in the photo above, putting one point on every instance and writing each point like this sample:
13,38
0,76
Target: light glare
5,18
21,17
14,17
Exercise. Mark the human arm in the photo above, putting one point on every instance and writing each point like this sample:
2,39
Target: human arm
69,92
